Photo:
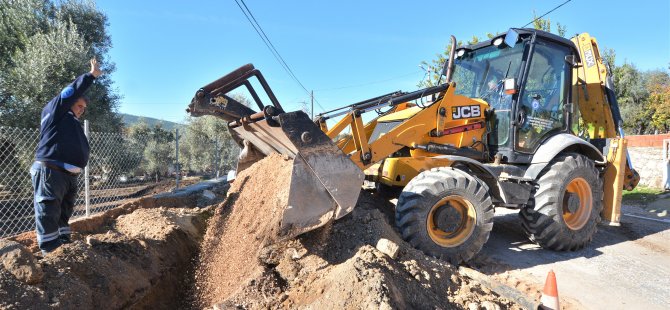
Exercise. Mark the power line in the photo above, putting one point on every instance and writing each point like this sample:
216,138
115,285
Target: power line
259,30
369,83
265,38
545,14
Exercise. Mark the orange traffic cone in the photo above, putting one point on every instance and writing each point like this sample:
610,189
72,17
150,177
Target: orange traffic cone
549,298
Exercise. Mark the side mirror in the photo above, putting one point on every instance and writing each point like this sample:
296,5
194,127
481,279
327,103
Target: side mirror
509,86
511,37
572,60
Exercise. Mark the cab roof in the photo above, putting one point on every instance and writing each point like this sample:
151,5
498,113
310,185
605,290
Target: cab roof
524,32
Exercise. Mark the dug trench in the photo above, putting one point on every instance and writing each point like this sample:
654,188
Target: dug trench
220,251
137,255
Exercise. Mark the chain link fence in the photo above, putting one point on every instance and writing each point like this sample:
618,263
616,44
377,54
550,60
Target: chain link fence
114,176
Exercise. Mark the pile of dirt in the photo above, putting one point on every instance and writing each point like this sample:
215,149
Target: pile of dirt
170,252
359,261
243,226
134,256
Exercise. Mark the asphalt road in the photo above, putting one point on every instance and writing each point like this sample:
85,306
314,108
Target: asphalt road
625,267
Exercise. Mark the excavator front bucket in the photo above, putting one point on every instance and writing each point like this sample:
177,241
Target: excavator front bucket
324,184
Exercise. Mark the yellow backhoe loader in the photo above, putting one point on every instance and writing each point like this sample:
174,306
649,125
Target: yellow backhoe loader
527,120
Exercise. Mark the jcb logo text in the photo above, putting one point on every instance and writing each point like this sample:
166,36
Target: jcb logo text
469,111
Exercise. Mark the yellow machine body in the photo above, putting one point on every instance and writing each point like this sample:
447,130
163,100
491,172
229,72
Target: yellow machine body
414,126
415,134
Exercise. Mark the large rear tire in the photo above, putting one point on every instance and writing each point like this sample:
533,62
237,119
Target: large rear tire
445,213
567,204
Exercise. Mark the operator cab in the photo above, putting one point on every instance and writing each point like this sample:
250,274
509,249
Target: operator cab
525,78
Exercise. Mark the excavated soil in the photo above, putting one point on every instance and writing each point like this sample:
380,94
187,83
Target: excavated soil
194,252
343,265
244,224
135,256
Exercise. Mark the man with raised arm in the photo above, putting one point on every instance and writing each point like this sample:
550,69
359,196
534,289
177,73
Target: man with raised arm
62,154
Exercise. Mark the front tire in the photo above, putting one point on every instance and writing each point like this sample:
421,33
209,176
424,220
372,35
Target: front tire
445,213
567,205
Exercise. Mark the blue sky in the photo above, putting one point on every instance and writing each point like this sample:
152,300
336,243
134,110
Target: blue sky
346,51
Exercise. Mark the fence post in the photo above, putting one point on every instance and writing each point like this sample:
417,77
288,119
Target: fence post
176,152
666,164
86,185
216,157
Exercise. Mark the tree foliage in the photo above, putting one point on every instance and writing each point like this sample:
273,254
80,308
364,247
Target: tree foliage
152,149
206,145
45,45
642,96
659,101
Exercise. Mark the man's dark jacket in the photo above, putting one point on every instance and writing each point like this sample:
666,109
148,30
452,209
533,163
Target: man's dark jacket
62,137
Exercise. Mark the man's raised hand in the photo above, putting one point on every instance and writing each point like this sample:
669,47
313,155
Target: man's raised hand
95,68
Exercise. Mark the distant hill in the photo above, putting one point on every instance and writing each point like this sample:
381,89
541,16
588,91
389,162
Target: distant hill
130,120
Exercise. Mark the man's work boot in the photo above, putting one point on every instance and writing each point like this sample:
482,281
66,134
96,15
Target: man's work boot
65,239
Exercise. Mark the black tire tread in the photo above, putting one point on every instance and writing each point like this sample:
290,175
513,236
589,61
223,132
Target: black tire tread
542,219
410,211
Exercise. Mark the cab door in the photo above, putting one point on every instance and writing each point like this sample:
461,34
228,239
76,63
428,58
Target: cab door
542,103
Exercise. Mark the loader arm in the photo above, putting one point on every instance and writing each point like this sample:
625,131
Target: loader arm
413,132
324,183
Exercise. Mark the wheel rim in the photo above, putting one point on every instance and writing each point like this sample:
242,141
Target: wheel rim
577,219
451,221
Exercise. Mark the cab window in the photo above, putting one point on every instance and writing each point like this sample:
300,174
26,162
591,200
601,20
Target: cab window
542,102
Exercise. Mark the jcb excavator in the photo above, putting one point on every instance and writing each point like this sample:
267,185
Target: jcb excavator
527,120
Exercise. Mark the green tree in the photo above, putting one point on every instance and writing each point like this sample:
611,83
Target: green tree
151,150
658,84
138,135
159,157
19,20
632,97
40,72
207,145
545,25
44,45
159,152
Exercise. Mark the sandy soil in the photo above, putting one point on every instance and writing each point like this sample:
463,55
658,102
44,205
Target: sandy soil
334,267
245,223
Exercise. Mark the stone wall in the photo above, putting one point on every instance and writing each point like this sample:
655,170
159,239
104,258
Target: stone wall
647,154
648,162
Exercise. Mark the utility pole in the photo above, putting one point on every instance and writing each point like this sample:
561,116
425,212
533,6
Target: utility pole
176,155
312,109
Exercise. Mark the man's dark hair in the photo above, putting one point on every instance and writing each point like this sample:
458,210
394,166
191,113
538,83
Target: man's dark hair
85,98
